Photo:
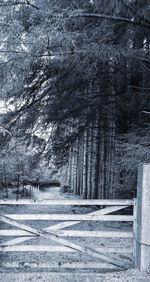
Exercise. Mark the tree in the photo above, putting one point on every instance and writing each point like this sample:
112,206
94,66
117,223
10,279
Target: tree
84,68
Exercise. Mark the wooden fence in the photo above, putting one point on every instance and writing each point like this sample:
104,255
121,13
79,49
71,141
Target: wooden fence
56,233
139,234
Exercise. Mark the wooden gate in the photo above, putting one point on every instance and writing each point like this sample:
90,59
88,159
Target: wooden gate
25,232
140,232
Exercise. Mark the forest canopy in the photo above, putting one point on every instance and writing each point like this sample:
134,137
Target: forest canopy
75,82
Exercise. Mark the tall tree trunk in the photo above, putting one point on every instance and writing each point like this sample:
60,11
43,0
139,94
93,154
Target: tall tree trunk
85,158
95,192
89,163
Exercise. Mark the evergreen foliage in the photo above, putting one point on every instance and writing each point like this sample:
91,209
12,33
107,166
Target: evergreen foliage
79,72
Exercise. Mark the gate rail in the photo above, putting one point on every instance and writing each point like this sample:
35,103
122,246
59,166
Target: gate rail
140,219
55,232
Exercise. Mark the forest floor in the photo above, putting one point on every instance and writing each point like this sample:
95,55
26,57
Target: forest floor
33,266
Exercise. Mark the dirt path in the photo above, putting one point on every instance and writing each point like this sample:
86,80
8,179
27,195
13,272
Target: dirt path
46,258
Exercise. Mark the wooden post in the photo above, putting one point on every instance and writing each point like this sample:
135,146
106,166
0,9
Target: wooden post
142,233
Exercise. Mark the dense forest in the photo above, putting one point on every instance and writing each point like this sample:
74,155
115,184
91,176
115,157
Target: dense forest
75,87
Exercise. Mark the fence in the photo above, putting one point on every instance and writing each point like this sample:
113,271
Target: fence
140,233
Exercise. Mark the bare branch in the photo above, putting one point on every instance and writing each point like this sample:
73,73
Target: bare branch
4,131
16,3
134,12
143,59
32,5
13,51
140,22
145,112
142,88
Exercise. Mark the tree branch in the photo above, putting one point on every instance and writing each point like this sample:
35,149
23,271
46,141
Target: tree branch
32,5
145,112
141,88
16,3
134,12
140,22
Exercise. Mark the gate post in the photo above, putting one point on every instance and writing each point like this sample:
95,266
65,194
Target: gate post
142,225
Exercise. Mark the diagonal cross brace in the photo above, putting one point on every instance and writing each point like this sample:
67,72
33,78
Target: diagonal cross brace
64,224
53,236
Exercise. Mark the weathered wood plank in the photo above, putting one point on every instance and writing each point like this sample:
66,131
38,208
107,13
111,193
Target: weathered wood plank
16,241
142,232
69,202
81,217
51,249
73,233
14,232
35,248
99,234
134,230
98,212
53,236
58,226
61,225
69,265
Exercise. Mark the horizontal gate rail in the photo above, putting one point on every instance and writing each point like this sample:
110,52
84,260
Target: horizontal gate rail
55,232
53,249
79,217
53,265
51,235
70,202
73,233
